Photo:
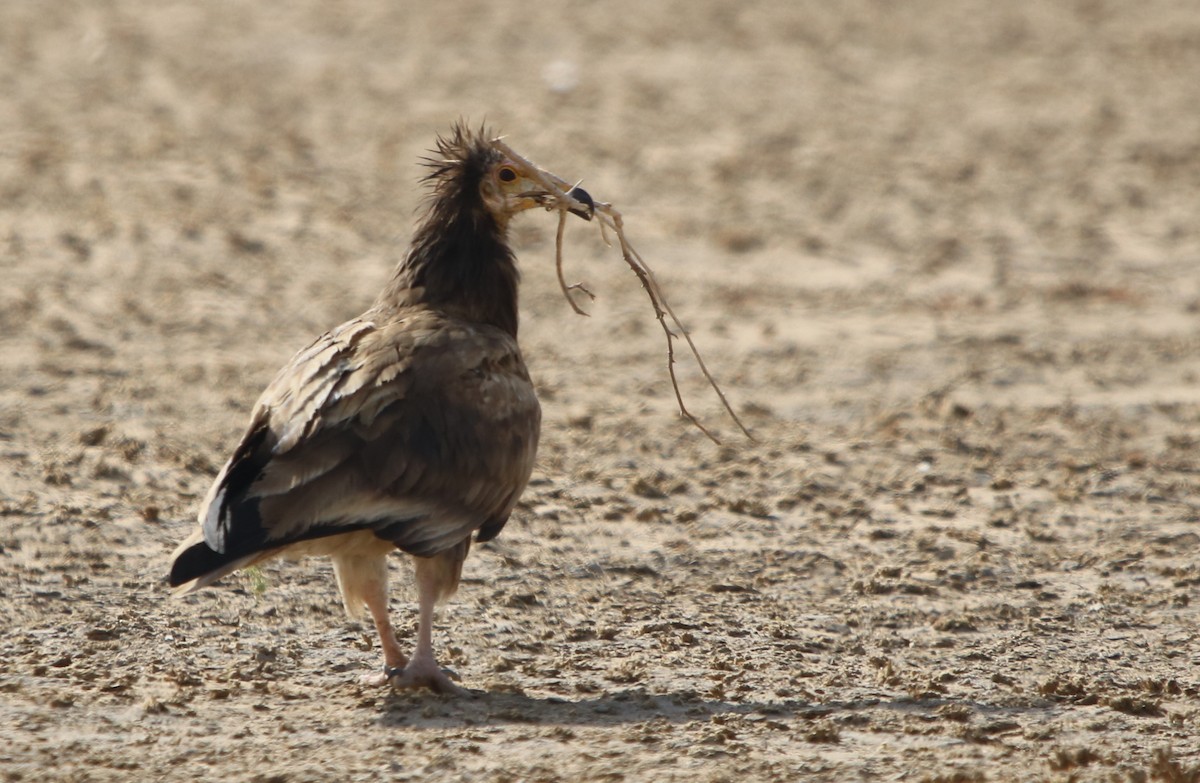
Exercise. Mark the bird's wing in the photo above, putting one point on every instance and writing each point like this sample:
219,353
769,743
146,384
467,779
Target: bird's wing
416,426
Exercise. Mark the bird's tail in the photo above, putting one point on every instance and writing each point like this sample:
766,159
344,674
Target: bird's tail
195,564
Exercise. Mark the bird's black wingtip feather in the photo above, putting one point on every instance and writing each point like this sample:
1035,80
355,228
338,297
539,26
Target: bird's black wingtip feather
196,561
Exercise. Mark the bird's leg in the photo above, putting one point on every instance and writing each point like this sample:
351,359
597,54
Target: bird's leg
363,580
393,657
436,578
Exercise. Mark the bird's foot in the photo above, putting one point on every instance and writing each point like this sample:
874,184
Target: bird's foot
375,679
426,674
379,678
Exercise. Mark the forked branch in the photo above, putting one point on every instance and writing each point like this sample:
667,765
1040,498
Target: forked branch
558,267
611,218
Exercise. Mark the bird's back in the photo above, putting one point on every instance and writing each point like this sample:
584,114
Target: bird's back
407,422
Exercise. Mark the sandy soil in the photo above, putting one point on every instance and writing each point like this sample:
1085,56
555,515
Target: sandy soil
943,256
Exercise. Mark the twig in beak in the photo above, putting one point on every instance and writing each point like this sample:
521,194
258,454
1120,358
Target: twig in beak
558,267
560,190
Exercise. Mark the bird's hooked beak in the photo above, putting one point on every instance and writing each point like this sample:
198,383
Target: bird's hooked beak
582,203
588,206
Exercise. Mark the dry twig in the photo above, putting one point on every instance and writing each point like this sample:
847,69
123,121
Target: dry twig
558,267
611,218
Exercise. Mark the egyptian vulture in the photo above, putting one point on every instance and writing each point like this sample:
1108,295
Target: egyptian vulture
413,426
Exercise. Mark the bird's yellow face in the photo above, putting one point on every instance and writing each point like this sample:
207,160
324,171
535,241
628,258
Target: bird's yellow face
509,188
512,186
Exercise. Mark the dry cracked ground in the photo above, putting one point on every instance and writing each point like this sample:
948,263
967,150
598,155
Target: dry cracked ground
943,257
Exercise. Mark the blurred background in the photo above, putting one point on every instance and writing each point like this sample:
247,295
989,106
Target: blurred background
182,167
943,255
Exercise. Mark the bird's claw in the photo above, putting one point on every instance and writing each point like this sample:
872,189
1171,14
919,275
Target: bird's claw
379,678
432,677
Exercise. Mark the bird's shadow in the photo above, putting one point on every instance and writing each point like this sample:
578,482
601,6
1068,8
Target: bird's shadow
638,705
609,709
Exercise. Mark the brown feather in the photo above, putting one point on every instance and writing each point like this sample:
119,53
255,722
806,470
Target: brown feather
417,420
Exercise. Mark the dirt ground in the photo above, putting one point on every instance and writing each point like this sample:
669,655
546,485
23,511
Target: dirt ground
942,255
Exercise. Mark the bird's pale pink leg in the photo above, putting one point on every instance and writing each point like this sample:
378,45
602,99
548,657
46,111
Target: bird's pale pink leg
363,580
436,578
393,657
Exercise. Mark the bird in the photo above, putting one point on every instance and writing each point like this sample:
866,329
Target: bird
413,427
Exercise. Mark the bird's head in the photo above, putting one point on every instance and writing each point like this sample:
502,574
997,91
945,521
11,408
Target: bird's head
470,171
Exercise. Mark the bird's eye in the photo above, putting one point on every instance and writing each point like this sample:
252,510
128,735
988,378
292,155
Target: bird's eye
507,174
